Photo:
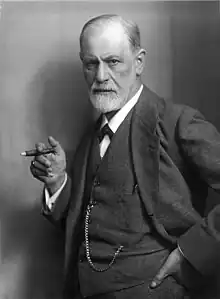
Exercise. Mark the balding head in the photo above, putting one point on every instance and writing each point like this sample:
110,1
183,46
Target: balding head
129,28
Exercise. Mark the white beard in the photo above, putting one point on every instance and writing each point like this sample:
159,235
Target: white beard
105,102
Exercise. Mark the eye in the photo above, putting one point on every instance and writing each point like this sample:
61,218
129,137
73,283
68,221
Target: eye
90,64
113,62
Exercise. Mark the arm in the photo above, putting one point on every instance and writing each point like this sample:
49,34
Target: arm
200,144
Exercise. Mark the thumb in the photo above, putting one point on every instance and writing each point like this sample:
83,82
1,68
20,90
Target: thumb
158,279
54,143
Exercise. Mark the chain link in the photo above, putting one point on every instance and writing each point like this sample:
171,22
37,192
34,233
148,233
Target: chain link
88,256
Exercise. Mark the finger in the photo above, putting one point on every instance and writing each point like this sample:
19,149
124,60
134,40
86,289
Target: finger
43,160
40,146
41,173
42,167
160,276
54,143
38,170
37,173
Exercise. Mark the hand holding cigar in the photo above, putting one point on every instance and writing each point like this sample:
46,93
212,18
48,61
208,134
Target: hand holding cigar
49,169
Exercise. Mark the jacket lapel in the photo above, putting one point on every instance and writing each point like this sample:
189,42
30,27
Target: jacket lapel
145,148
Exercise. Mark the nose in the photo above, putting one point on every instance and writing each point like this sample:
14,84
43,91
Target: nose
102,73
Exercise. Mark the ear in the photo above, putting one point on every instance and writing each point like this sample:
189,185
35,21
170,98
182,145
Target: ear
140,61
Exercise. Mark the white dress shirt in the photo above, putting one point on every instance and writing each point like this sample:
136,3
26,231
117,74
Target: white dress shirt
114,124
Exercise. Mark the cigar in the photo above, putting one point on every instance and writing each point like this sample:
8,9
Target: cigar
34,152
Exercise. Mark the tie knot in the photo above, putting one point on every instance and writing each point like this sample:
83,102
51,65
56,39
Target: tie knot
105,131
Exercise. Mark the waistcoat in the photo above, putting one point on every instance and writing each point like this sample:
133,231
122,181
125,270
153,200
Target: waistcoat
116,219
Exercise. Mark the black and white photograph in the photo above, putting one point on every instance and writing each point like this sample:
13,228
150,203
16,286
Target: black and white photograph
109,149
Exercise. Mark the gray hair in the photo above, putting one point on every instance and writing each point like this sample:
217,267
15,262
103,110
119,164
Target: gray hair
131,29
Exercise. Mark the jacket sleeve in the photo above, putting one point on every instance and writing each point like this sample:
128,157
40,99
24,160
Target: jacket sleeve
200,145
57,214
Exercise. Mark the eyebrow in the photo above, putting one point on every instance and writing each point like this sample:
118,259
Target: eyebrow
108,56
111,56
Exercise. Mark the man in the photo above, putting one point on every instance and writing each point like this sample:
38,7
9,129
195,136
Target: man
133,206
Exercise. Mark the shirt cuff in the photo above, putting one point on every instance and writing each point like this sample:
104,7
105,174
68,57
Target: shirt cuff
50,200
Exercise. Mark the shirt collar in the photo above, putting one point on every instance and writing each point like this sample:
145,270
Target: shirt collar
118,118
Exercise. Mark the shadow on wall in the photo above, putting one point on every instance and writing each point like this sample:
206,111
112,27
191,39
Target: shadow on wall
58,106
61,99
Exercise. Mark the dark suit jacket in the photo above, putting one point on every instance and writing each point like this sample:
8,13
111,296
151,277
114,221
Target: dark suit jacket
176,156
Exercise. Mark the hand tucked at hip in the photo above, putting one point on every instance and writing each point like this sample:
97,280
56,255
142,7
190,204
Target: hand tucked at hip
172,266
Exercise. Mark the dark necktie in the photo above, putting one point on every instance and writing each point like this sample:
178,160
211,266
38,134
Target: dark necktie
105,131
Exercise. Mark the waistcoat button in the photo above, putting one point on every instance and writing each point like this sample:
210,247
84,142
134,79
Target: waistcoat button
96,182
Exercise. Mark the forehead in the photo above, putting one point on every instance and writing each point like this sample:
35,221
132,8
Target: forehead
105,39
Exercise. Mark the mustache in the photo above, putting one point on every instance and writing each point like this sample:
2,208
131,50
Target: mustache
105,88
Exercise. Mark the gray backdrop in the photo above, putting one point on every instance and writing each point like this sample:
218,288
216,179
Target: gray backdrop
43,93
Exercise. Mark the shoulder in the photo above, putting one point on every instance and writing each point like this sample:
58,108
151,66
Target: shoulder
163,108
180,115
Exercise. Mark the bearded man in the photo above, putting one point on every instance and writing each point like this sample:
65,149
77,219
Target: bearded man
133,206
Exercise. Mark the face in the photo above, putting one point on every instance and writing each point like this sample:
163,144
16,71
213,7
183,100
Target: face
110,67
